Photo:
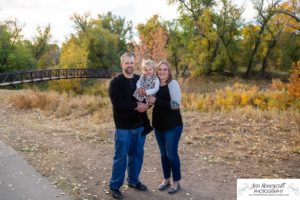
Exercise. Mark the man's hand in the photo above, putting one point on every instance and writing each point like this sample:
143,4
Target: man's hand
151,100
141,107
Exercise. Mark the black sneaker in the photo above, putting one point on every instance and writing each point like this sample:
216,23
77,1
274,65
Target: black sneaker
138,186
115,193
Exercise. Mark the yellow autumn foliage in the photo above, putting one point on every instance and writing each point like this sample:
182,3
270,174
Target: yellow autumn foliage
275,97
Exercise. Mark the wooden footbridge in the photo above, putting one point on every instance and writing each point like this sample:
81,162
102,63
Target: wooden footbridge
19,77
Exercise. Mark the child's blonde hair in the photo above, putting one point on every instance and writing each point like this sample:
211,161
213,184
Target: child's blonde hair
148,63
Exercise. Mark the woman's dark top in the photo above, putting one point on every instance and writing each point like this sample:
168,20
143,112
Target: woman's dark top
124,104
163,117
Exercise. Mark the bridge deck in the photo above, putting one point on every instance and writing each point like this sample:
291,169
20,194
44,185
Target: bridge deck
32,76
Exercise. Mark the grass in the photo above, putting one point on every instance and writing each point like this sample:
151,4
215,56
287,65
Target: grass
233,95
226,95
64,105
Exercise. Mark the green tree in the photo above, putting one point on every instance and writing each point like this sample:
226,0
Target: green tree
119,26
14,53
98,43
176,47
211,29
82,22
74,53
265,13
50,58
287,50
228,23
201,47
103,49
41,41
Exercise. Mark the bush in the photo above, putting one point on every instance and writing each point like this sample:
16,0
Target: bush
242,96
294,81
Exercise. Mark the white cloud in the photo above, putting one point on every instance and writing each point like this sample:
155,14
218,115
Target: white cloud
249,11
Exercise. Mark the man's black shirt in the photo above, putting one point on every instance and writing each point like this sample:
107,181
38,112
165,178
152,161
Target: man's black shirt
121,94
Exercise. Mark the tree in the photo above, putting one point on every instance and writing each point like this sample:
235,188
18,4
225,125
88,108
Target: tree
176,47
14,54
204,43
264,16
153,40
74,53
228,22
273,46
41,41
96,44
293,10
211,28
81,22
119,26
103,47
50,57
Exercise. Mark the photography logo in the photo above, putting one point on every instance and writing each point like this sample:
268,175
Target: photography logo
270,189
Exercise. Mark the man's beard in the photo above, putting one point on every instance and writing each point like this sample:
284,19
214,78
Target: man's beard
129,70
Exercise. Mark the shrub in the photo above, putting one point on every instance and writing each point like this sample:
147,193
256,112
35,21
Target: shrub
242,96
294,81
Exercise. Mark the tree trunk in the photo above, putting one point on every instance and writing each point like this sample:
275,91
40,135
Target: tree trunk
176,64
184,70
266,57
232,62
212,58
253,53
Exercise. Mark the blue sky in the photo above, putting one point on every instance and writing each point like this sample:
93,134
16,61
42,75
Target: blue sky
33,13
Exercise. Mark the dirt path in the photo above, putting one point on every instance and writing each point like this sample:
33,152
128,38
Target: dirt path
216,149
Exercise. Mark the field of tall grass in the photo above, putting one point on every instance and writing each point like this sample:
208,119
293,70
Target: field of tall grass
64,105
239,95
215,97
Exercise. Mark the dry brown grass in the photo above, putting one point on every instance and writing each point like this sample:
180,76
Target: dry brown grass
230,96
29,99
63,105
251,140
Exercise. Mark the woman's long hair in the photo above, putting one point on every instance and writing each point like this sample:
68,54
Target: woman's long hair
164,62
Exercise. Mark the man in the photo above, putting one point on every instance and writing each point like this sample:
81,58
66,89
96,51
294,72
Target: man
129,137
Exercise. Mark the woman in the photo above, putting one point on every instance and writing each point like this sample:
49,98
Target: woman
167,123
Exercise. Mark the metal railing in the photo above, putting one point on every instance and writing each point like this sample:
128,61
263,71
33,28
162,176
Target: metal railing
19,77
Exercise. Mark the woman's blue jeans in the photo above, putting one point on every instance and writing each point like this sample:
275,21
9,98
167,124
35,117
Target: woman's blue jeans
168,146
129,152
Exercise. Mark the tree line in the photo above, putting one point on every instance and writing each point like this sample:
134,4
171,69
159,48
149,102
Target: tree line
209,36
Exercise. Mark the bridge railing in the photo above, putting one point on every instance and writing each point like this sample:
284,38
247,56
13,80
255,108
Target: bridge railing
31,76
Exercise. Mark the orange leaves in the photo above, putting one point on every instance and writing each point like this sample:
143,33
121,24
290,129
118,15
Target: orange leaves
294,85
153,40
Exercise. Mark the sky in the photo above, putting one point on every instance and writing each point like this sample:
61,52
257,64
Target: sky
57,13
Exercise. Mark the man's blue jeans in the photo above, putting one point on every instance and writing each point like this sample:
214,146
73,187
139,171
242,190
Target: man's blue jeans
129,151
168,146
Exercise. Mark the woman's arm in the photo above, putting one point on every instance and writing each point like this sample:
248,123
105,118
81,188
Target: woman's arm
175,94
